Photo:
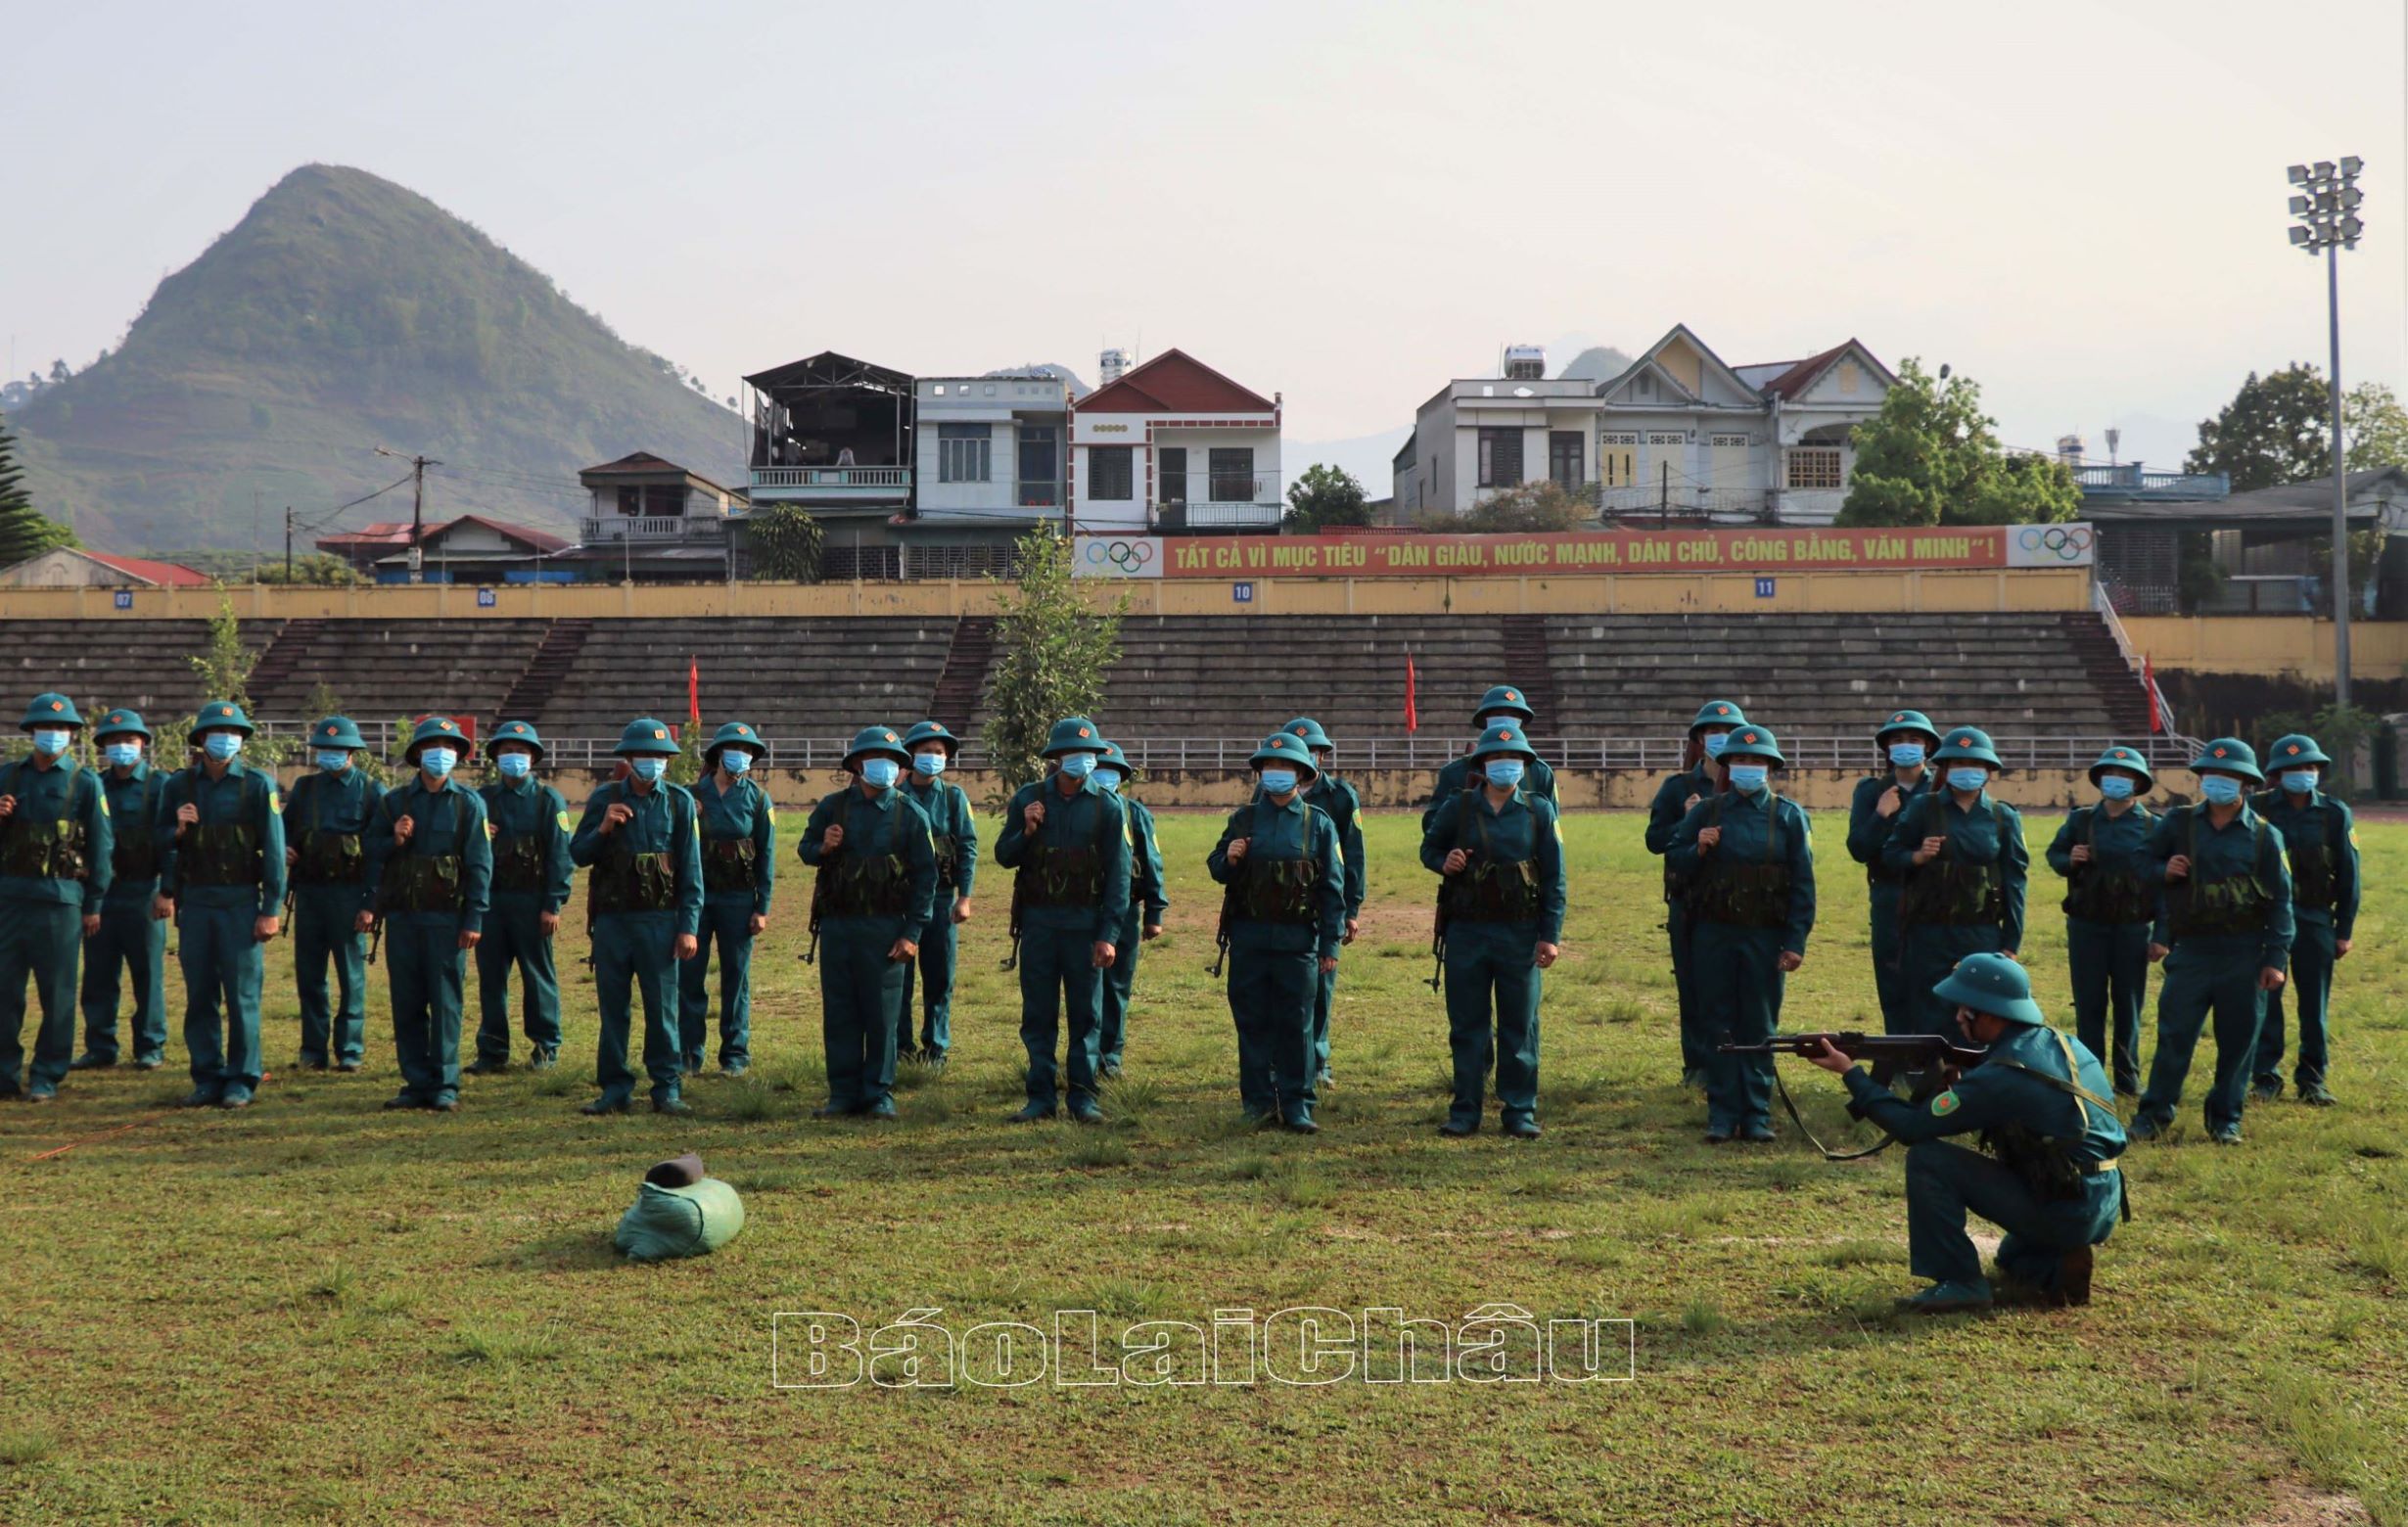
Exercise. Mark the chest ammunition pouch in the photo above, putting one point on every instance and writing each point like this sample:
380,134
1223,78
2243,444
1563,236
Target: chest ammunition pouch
623,880
2315,884
1949,893
1677,885
2101,894
1744,893
34,849
2046,1161
730,863
2230,905
418,882
1490,889
133,857
1063,874
326,858
1277,891
518,861
857,884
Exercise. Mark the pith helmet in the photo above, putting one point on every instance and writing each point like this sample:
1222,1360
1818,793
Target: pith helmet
1074,734
515,731
1908,721
1501,699
337,731
883,741
1509,738
2230,756
2126,759
219,715
1992,984
433,730
52,710
1285,747
2294,751
1754,741
1967,745
644,735
735,734
1717,712
1114,757
121,723
932,732
1310,730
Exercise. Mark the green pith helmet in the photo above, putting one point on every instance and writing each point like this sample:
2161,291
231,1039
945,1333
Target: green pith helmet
121,723
1908,721
735,734
2228,756
1507,738
435,728
1503,700
1286,748
932,732
1717,712
337,731
515,731
1310,730
1992,984
1967,745
1752,741
644,735
2295,750
1074,734
883,741
219,715
52,710
1114,757
2129,759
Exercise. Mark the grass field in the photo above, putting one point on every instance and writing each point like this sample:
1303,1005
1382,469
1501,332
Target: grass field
315,1309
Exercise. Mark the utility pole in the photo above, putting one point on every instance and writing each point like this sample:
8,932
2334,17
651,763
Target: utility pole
418,508
288,543
2329,223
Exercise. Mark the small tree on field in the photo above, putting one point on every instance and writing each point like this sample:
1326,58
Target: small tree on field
1051,653
223,668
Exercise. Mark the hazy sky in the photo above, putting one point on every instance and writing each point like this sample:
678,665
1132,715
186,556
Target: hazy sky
2079,205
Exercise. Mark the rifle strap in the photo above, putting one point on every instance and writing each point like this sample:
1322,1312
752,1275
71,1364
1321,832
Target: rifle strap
1782,1089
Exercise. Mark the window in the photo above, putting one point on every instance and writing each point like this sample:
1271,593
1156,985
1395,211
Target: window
1232,474
1500,457
1107,471
1171,474
1565,463
1040,474
1813,466
1733,455
964,453
1616,458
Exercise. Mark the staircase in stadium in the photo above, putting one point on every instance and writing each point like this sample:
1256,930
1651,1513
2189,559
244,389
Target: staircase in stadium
964,676
541,680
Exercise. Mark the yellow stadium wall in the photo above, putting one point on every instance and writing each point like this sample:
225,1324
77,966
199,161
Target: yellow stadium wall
2268,645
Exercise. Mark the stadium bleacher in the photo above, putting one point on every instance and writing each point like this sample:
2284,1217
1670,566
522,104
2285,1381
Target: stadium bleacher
98,663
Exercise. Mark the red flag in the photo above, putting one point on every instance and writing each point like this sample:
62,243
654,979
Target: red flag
1412,718
693,689
2148,682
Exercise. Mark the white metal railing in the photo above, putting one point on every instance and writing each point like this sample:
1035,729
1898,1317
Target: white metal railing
2104,603
835,479
701,527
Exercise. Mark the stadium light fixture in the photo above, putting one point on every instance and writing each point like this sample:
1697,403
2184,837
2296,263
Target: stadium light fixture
2329,223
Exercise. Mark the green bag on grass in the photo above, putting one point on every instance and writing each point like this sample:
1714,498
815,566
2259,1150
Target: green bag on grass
679,1222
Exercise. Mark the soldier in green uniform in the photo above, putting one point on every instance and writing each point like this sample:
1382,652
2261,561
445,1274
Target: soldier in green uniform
220,841
2323,844
2114,914
1283,915
1503,704
57,854
528,822
876,885
430,878
1067,837
2050,1178
129,937
1500,849
739,852
325,826
641,845
1148,903
1345,807
1964,863
1747,857
1699,778
954,826
1906,742
2228,905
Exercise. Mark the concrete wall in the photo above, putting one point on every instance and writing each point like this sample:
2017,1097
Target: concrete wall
2268,644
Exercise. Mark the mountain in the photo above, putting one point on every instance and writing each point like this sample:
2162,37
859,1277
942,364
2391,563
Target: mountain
1597,363
345,312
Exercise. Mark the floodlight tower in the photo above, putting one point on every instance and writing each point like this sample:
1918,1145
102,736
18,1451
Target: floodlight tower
2327,210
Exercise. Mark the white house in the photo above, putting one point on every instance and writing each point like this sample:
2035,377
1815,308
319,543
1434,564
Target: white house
990,448
1679,433
1173,445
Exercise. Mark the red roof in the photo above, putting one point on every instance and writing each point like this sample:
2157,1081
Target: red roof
1177,383
398,535
637,461
171,575
1795,380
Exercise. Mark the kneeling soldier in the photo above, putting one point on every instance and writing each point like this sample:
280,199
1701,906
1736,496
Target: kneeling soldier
430,877
2114,923
877,878
1500,850
130,935
528,824
953,829
325,826
221,837
2323,844
1147,902
1283,915
56,857
2050,1179
739,855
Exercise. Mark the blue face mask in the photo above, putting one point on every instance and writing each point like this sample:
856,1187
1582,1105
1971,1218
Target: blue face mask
930,763
2115,787
648,769
124,754
1110,780
514,765
2299,782
1906,754
1715,742
735,760
1279,781
50,742
1968,777
1748,778
2222,789
1078,765
1504,774
221,746
880,772
436,763
333,760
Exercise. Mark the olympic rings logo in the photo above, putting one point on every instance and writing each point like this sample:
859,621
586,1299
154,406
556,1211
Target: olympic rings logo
2065,543
1130,556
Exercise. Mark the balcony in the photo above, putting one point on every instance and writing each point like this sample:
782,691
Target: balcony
832,485
1217,501
653,527
2131,484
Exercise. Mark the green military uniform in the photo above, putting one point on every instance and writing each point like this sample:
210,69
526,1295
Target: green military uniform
2230,919
129,938
1069,897
1752,900
1501,703
2113,913
528,824
1905,732
224,872
430,891
2050,1180
325,821
1701,780
739,849
1508,899
953,825
876,887
644,892
1967,900
1149,904
2322,841
1282,913
57,854
1345,807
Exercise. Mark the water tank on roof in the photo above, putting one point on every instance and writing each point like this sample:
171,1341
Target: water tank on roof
1526,362
1109,366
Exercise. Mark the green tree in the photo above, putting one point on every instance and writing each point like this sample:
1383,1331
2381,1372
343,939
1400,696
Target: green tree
786,543
1531,508
1052,648
2374,428
24,532
1932,457
2275,431
223,668
321,568
1326,496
